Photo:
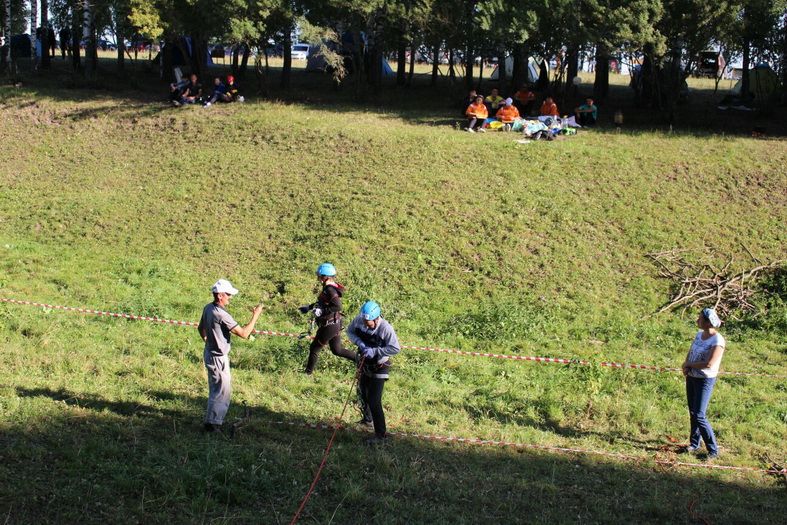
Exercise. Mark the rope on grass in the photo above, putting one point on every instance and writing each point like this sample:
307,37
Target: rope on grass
454,351
324,460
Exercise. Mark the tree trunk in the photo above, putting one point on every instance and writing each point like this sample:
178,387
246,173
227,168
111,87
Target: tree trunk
121,60
401,62
235,58
601,85
469,66
244,62
572,56
745,83
76,32
376,67
519,75
45,58
7,33
501,69
480,73
199,55
34,27
167,57
88,31
435,63
412,65
286,69
359,56
784,65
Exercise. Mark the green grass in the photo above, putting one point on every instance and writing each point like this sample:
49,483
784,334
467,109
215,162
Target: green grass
475,242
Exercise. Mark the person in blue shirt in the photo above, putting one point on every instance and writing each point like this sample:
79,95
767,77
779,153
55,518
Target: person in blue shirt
587,113
377,344
219,92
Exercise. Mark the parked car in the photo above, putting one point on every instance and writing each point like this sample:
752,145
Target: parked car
300,51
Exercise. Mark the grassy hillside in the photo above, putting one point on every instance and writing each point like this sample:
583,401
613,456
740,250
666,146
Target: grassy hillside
469,241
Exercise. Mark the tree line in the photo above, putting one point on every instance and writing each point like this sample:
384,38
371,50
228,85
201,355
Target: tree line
663,37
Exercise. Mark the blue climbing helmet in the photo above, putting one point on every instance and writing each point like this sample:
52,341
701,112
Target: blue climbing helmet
326,270
370,310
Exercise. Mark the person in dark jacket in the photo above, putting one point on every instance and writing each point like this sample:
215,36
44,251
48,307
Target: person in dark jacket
377,343
327,312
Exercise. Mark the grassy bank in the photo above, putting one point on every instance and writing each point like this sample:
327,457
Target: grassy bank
469,241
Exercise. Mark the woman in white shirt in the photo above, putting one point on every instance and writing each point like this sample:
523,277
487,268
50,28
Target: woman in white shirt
700,369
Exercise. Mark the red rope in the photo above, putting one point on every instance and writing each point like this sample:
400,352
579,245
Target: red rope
324,460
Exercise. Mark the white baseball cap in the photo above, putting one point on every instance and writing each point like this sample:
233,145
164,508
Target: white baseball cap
224,286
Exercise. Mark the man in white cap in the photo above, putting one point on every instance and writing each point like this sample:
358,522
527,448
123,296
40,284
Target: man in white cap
215,328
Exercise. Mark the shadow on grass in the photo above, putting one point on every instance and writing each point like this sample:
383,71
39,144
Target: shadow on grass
80,458
421,103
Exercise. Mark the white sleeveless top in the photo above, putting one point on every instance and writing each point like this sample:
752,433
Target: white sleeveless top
701,351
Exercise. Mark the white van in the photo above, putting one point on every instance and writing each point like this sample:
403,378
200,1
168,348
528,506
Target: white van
300,51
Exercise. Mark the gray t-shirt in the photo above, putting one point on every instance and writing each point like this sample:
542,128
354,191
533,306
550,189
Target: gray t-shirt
217,323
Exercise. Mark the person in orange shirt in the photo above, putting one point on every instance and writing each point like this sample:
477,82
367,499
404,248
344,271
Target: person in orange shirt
507,114
524,100
476,114
549,108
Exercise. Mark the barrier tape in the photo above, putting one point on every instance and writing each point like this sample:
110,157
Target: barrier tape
546,448
454,351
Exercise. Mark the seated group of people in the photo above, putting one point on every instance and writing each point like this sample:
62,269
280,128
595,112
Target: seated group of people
510,110
190,92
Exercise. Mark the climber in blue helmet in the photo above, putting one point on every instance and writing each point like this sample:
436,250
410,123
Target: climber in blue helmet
377,343
328,315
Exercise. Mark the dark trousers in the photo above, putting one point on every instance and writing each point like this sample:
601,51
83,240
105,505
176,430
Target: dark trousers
371,392
698,392
474,122
586,119
330,335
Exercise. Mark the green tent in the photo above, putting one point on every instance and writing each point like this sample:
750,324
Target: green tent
763,83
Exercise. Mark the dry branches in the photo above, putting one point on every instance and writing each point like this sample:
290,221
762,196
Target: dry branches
696,285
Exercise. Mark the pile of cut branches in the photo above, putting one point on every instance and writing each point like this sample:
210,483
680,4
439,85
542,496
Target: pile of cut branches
706,285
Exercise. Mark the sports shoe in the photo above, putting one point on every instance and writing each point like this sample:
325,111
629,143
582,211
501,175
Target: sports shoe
211,428
712,455
470,130
207,104
376,441
176,103
506,127
365,422
481,130
241,99
691,450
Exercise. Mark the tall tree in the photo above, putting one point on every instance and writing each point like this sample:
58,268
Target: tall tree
511,23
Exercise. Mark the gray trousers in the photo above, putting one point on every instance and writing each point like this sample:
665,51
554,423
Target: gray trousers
219,387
